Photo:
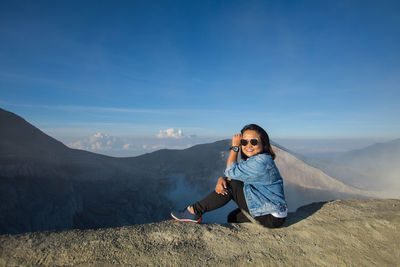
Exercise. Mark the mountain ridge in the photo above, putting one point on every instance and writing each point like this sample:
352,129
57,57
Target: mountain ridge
78,189
374,167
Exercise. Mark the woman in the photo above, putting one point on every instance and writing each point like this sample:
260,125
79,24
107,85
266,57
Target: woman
254,183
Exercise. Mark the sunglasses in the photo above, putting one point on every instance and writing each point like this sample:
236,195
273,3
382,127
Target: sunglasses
253,142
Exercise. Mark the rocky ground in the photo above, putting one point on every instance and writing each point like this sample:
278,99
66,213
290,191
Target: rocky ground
338,233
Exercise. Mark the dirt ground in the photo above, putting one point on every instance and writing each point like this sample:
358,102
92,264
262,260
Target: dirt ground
338,233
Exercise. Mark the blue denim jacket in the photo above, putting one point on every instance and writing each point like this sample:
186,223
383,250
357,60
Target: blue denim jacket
263,184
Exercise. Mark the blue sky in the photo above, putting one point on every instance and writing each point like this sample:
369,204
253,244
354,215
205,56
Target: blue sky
300,69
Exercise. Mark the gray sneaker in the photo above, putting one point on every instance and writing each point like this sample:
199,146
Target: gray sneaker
185,216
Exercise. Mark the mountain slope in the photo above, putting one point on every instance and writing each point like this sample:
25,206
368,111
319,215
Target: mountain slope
374,167
14,141
305,184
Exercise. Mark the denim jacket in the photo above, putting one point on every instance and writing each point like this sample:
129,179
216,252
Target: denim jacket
263,184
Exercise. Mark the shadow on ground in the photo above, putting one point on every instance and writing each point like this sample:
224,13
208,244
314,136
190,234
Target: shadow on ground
303,213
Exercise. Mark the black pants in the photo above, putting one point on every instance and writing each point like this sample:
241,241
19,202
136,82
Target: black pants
235,191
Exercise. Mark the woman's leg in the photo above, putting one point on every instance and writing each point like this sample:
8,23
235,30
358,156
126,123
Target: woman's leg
235,191
270,221
214,201
237,216
211,202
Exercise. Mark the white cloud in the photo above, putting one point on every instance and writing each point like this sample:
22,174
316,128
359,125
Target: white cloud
132,146
100,142
172,133
156,147
126,146
77,145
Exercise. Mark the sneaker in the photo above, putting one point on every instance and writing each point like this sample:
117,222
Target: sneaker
185,216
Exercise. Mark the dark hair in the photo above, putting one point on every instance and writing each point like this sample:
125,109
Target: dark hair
267,149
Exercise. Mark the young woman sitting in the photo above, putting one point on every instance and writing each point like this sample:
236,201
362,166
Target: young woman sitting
254,183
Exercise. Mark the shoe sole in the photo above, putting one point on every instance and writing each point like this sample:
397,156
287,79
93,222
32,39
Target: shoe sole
185,220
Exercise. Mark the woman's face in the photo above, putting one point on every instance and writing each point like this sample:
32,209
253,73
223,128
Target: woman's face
250,150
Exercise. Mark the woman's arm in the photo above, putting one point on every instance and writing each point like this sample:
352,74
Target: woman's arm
253,170
220,188
233,155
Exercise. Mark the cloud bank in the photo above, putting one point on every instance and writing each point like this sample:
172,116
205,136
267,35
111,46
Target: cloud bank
101,142
172,133
133,146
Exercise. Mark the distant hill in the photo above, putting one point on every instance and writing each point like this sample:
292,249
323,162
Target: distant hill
305,184
45,185
375,167
339,233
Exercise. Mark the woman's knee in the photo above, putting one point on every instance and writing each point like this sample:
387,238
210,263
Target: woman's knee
237,216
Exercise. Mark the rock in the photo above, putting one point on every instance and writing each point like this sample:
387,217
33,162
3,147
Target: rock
337,233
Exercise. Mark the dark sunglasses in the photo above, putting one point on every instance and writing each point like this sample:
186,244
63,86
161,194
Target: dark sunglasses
253,142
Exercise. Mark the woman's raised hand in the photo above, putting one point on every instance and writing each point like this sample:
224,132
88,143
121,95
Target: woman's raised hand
220,188
236,140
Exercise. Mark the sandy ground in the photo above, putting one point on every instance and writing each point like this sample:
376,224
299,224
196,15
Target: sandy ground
338,233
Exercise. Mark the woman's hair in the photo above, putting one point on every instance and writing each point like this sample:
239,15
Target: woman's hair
267,149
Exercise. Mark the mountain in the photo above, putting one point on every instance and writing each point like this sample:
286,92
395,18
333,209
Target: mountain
338,233
374,167
45,185
305,184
